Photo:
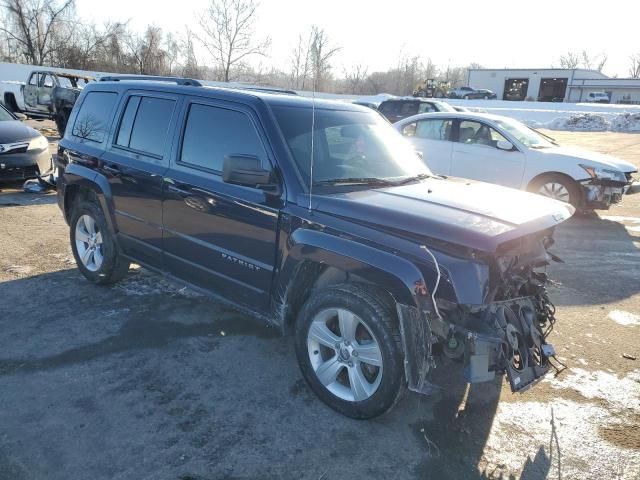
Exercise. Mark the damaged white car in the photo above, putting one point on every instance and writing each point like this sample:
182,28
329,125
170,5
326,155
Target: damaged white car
501,150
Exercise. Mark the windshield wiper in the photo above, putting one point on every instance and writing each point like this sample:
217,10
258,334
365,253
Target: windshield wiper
370,181
415,178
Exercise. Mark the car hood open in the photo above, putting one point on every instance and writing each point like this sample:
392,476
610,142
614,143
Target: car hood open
592,158
461,212
12,131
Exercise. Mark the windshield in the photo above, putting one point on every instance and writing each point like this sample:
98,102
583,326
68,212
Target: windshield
524,134
349,147
4,115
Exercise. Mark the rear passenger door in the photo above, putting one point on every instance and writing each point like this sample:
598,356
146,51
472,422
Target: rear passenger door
218,235
134,164
432,138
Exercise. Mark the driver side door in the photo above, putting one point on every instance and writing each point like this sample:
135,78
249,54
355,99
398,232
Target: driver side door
477,156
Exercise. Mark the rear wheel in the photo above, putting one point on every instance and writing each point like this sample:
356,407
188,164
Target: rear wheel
94,246
558,187
349,351
466,97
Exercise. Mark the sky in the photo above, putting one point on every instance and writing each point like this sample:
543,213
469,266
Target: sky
495,34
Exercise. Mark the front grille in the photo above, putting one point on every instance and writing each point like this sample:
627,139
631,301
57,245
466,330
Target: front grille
18,173
16,150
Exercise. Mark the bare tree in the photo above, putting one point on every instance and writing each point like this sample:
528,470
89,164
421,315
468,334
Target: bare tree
301,63
321,55
355,79
634,69
145,51
32,24
229,33
190,62
570,60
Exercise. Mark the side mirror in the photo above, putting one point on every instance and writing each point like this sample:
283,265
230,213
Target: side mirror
20,116
504,145
246,170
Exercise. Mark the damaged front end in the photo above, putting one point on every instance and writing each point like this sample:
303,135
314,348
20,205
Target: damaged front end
507,334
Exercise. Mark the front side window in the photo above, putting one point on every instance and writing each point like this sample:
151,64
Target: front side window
476,133
33,79
48,81
211,133
92,122
145,124
347,145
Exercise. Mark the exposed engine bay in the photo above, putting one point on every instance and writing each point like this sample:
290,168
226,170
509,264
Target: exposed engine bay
508,334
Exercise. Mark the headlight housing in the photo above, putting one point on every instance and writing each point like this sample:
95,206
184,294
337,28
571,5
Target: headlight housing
38,143
604,173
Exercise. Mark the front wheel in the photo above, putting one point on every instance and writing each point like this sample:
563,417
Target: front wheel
349,351
558,187
94,246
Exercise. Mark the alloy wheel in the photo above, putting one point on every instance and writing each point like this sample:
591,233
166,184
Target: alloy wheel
89,243
344,354
555,190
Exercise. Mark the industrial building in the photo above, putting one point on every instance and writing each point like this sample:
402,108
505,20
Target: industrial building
554,84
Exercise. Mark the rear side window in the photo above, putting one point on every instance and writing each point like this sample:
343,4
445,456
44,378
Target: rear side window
92,122
213,132
145,124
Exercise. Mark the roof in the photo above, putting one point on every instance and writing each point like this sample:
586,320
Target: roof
230,93
470,115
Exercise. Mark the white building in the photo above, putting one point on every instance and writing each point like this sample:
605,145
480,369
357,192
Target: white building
554,84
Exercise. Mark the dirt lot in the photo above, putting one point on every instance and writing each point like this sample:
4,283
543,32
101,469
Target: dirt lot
149,380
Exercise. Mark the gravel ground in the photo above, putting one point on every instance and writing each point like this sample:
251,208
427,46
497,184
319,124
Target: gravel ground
147,379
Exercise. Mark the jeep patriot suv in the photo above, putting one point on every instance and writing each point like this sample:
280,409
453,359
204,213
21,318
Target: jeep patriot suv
319,218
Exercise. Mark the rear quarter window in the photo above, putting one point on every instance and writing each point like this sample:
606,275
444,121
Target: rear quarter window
93,119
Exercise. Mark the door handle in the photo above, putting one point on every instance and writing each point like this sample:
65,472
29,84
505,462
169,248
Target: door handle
179,191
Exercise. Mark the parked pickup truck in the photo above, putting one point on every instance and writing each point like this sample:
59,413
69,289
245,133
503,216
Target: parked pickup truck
46,94
349,242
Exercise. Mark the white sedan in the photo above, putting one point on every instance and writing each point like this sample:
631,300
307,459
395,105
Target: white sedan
501,150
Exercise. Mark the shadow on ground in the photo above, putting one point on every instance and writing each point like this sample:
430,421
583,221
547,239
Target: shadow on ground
97,383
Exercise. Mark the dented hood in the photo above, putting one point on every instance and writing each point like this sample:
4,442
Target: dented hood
462,212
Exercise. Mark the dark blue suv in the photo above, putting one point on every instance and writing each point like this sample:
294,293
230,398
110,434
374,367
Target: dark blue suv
319,218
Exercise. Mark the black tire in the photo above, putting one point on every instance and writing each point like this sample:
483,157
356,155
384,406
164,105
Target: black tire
575,194
379,318
114,266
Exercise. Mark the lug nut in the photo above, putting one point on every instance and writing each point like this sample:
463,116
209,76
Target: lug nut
351,364
355,353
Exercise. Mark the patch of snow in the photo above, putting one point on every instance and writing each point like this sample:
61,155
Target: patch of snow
561,437
583,122
620,393
624,318
626,122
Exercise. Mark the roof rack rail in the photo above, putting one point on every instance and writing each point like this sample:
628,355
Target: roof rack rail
265,89
188,82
